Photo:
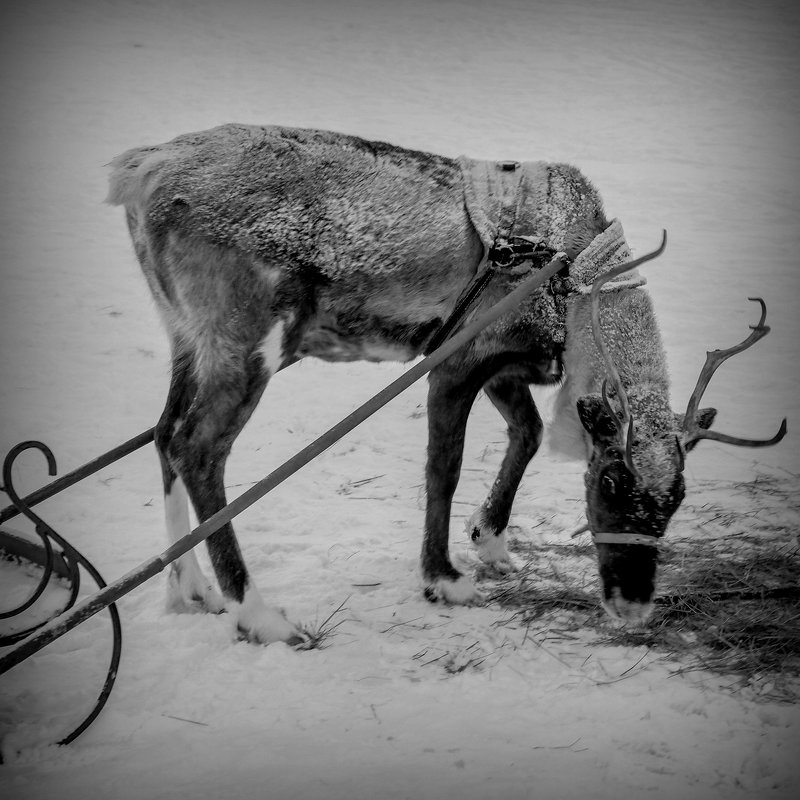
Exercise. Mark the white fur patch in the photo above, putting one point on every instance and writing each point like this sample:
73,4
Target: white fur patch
188,589
493,550
372,351
490,548
271,349
176,510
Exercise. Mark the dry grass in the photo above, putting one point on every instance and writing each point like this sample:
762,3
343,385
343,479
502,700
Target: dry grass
318,633
728,588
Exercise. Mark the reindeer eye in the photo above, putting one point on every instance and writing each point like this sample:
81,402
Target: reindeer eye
608,485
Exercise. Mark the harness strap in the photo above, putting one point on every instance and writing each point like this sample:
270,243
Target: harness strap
510,183
608,537
473,291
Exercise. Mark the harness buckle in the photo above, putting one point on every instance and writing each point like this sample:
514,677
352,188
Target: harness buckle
507,253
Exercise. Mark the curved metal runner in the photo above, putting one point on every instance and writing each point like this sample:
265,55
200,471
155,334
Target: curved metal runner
65,563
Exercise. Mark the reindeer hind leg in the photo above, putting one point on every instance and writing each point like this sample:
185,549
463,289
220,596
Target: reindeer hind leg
224,399
188,589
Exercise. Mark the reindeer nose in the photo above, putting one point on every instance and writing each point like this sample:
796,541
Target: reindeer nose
634,613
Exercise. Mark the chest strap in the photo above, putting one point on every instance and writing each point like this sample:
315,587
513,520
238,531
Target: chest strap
508,254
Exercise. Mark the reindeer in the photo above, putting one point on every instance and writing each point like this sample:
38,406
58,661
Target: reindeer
264,245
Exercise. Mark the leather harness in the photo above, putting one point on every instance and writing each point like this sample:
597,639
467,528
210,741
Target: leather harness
509,254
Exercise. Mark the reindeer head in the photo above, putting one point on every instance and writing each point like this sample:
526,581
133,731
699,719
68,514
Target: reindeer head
634,482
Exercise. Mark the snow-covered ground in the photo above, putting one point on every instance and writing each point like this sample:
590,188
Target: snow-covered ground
684,114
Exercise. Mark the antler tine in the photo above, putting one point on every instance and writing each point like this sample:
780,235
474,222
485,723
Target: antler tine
625,430
597,285
626,266
681,454
619,420
629,450
699,433
714,358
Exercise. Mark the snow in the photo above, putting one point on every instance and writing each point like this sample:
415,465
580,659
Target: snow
685,117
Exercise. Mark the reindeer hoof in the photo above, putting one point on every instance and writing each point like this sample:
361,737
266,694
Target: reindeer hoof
292,636
275,629
259,623
460,592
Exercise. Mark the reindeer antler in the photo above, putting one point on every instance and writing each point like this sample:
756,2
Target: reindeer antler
623,421
714,358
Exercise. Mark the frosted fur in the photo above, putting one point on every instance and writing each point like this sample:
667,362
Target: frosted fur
354,206
269,204
361,207
341,206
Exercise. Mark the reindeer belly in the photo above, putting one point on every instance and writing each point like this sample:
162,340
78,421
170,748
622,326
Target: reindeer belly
363,337
375,318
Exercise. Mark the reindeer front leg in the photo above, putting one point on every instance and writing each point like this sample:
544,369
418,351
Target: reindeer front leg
486,527
450,399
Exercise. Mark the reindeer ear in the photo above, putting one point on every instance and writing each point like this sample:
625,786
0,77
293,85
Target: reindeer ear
704,418
596,419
